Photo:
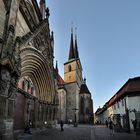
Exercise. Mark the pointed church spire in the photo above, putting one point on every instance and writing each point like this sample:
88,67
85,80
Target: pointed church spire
71,52
76,48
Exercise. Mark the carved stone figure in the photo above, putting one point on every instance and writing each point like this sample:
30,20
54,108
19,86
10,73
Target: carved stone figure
47,12
4,81
13,87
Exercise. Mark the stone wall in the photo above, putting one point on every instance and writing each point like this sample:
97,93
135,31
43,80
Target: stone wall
2,17
61,114
72,101
19,117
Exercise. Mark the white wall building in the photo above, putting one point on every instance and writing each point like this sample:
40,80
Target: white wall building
124,107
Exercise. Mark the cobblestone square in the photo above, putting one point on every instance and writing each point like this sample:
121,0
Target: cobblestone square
82,132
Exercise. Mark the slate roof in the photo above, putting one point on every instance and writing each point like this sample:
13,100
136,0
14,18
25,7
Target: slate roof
60,81
84,89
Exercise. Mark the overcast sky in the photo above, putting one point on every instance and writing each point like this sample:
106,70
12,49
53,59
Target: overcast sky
108,33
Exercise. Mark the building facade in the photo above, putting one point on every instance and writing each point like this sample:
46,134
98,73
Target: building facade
124,107
71,90
27,82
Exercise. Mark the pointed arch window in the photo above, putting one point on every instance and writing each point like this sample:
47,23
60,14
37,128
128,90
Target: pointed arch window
69,68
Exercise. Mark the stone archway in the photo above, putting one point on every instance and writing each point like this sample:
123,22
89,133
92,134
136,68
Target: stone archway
34,65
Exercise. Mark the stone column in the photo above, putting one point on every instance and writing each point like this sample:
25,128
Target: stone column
46,113
42,116
36,112
49,116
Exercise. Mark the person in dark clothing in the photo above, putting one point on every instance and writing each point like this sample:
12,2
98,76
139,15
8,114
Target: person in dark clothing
28,127
61,125
111,127
106,122
134,122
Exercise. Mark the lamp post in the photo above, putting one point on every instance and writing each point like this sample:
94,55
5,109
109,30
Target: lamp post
75,123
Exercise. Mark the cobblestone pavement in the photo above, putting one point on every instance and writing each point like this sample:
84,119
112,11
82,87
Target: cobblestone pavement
82,132
103,133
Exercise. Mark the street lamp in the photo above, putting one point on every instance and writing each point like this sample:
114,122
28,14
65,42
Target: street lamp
75,123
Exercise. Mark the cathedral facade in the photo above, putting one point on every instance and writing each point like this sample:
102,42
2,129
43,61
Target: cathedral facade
31,89
75,102
28,92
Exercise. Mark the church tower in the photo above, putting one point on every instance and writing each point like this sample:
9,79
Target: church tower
73,67
73,79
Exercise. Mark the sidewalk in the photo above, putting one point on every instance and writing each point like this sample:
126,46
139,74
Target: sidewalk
102,133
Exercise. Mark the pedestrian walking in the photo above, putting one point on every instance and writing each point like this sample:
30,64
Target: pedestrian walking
106,122
134,122
28,127
111,127
61,125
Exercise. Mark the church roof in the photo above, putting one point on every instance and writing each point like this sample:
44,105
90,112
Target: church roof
60,81
84,89
130,88
71,52
76,48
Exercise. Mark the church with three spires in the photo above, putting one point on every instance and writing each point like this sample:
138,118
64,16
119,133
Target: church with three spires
74,98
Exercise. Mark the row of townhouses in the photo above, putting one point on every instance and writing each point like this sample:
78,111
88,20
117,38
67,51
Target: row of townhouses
123,108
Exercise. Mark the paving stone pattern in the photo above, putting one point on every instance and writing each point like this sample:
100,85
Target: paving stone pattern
82,132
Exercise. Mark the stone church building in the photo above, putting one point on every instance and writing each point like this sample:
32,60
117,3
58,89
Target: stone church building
75,102
28,91
31,89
